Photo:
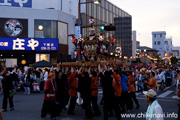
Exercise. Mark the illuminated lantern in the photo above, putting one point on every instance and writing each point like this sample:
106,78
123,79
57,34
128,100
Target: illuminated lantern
74,40
91,21
76,53
101,38
23,62
113,41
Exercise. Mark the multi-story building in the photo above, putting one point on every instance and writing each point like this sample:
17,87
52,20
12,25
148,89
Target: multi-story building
33,30
161,43
107,13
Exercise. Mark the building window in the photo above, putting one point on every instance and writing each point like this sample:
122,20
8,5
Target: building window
45,29
154,43
154,35
158,43
160,35
62,33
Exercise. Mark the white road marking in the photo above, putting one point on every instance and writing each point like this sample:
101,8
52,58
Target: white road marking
165,93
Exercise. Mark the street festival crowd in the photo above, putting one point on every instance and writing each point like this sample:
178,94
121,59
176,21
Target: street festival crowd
80,85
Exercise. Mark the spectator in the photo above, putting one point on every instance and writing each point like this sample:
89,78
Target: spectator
154,111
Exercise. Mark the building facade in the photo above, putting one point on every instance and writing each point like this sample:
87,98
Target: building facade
161,43
147,53
30,34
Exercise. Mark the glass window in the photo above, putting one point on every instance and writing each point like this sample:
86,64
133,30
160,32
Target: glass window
62,33
98,13
154,35
107,16
117,11
103,14
120,13
45,29
158,42
110,17
110,7
114,9
107,4
154,43
95,11
102,3
89,9
160,35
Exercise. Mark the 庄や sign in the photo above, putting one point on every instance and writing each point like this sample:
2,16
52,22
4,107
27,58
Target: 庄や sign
31,44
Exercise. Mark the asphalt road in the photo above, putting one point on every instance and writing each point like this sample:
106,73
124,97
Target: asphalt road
28,107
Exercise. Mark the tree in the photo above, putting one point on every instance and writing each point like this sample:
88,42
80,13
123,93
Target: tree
174,60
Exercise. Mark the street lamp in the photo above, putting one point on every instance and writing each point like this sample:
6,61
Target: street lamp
97,1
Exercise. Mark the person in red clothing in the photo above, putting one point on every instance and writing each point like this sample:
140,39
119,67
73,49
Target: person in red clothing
94,92
152,82
49,97
73,85
118,88
131,89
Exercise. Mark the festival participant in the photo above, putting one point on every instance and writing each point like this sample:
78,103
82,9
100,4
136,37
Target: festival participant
124,86
7,91
94,92
132,90
140,78
152,82
60,94
108,93
86,93
73,85
146,79
118,88
168,75
49,97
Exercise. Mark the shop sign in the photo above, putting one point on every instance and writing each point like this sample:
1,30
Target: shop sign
31,44
12,27
16,3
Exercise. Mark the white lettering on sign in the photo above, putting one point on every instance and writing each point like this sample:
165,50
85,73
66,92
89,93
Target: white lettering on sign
43,48
18,45
33,43
21,2
3,43
48,44
6,2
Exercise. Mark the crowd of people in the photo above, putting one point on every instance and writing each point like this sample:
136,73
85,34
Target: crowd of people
80,85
